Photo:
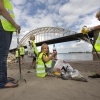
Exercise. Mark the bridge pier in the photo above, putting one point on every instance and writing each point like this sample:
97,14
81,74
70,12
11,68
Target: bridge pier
95,36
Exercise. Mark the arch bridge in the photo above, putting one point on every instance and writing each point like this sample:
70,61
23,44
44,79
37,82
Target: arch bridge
52,35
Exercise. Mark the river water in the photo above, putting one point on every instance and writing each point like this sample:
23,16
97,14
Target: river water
75,56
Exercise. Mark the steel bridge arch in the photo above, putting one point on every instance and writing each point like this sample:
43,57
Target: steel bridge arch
58,32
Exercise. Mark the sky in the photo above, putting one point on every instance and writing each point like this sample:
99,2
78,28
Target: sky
70,14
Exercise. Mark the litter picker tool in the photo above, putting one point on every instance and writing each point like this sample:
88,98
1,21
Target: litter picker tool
21,78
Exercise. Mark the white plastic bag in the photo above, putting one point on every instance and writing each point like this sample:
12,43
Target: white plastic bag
75,74
68,67
58,65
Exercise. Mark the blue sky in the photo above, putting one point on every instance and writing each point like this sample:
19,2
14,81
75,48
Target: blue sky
72,14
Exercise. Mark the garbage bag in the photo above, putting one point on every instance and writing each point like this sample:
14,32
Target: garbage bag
75,73
67,71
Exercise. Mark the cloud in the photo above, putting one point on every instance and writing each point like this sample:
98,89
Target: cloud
18,2
59,15
78,12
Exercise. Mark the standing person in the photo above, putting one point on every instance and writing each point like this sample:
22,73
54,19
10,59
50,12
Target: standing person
44,61
22,53
34,51
7,27
97,42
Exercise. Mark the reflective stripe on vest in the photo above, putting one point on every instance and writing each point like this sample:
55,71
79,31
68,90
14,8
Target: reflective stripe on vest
40,67
97,44
40,71
7,26
34,48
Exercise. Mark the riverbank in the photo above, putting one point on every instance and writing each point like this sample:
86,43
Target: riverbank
53,88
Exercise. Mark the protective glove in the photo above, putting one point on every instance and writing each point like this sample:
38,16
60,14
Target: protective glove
85,30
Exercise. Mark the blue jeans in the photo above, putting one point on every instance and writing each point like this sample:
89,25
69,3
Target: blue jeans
5,41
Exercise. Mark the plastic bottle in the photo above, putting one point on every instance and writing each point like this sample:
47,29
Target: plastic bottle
54,49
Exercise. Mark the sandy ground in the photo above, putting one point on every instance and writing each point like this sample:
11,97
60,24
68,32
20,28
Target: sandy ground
53,88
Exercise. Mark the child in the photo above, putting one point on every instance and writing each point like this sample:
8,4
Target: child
44,61
22,53
34,51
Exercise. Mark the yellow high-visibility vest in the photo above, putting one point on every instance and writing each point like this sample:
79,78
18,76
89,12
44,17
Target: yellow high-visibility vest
40,66
34,48
22,50
7,26
97,44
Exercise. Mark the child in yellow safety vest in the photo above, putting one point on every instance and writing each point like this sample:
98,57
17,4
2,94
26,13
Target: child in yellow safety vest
34,51
22,53
44,61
